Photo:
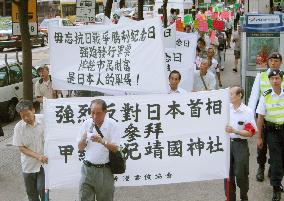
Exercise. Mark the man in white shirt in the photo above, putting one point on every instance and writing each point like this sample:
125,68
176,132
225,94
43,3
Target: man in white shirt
29,137
237,47
203,79
214,67
241,127
174,80
97,181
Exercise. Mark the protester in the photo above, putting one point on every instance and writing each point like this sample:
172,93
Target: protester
29,137
201,44
270,121
214,67
221,48
228,30
237,47
97,180
241,126
260,85
204,79
172,16
174,80
43,87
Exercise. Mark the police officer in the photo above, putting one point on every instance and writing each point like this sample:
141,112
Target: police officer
241,126
261,84
271,115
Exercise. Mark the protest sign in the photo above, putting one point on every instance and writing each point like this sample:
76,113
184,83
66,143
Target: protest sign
218,24
109,59
203,26
165,135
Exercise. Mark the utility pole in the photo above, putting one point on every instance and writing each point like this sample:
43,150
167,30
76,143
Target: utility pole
108,8
165,17
140,9
26,49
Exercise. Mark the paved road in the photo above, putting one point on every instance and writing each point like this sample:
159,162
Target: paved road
11,182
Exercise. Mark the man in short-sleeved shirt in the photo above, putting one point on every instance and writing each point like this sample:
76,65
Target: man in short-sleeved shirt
29,137
241,126
97,181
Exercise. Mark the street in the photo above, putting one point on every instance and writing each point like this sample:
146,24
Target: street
12,186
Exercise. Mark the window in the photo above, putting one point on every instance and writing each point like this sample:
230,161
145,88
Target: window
3,77
15,74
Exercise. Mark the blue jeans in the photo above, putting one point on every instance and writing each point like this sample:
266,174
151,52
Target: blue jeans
35,184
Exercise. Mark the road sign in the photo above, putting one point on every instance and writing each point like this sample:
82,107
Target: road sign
32,16
85,10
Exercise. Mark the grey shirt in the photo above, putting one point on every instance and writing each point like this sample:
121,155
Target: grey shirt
209,80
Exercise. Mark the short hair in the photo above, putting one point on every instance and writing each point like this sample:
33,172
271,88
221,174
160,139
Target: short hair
24,105
100,102
198,49
209,61
175,72
172,10
44,66
275,72
239,90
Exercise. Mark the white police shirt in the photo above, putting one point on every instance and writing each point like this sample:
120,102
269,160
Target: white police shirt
97,153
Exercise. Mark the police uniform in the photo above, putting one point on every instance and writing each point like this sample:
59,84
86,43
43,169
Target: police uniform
239,160
260,85
271,106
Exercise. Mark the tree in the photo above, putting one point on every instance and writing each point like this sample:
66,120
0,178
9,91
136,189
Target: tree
140,9
108,8
165,17
26,48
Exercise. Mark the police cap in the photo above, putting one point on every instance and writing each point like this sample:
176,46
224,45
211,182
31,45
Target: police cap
275,72
275,55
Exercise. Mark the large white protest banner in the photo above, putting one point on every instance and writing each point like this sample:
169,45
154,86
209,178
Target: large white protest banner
110,59
171,138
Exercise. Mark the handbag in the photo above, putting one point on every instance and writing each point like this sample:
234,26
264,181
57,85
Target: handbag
117,160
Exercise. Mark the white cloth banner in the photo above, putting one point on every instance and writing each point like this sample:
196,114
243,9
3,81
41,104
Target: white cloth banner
110,59
165,136
186,40
170,36
178,59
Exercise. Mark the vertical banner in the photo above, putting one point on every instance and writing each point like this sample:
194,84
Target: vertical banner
165,135
109,59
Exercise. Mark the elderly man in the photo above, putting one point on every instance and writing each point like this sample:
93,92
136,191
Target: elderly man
241,126
174,80
270,120
29,137
43,87
97,181
204,79
260,85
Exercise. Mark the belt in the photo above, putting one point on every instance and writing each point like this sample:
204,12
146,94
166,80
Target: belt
273,126
238,140
89,164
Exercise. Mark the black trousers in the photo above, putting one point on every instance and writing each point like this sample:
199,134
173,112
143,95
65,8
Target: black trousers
275,140
261,153
239,170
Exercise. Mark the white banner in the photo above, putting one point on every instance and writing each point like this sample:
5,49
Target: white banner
165,136
179,59
170,36
186,40
110,59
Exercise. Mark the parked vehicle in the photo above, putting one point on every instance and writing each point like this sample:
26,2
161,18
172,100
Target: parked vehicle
8,40
11,87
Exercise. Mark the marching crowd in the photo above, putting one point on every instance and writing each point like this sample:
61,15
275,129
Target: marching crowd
266,104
